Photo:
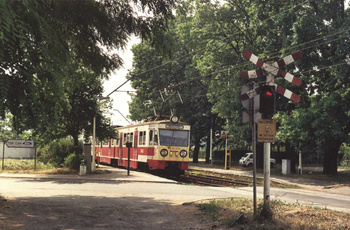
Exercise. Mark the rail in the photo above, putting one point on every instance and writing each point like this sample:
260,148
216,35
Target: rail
212,179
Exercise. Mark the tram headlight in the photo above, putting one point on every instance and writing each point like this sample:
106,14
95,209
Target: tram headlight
183,153
164,152
174,119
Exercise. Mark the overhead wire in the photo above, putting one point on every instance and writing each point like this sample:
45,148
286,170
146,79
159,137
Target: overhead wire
244,63
303,72
311,41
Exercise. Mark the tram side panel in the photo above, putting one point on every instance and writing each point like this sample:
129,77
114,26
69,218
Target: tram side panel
105,153
123,150
133,155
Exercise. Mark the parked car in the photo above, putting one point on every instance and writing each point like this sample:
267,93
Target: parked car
247,160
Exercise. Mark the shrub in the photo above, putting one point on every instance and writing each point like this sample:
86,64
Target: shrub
344,155
57,151
72,161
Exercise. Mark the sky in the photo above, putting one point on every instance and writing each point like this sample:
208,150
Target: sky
121,97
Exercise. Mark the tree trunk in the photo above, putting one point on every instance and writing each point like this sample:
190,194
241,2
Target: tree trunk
330,163
196,150
292,156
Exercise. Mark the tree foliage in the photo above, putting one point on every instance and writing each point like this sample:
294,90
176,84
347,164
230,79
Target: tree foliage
215,35
54,53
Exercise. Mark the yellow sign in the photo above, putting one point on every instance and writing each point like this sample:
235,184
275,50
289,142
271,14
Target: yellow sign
223,134
266,130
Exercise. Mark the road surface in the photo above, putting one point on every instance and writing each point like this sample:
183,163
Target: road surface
142,202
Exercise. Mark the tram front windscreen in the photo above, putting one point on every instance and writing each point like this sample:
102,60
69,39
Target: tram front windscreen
173,137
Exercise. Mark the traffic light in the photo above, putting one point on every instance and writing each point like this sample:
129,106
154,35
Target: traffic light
267,99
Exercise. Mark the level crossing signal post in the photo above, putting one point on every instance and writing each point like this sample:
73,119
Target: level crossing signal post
267,100
267,109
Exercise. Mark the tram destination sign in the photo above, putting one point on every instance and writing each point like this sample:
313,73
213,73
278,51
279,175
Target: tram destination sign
20,143
171,126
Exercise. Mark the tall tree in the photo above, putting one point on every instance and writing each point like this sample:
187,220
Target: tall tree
217,34
320,30
82,105
167,72
39,38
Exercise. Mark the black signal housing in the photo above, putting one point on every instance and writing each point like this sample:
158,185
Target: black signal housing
267,100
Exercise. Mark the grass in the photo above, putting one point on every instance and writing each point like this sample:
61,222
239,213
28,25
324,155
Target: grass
23,165
237,213
27,166
313,172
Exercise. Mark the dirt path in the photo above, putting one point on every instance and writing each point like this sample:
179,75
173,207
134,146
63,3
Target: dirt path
77,212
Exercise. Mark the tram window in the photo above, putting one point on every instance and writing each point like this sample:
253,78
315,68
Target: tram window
155,137
142,138
131,137
151,137
174,137
128,137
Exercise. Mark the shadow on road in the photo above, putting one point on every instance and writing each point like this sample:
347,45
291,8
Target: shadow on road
88,212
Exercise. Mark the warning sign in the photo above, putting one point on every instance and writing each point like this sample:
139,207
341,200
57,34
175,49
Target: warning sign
266,130
223,134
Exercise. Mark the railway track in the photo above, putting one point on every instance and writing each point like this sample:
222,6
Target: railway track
212,179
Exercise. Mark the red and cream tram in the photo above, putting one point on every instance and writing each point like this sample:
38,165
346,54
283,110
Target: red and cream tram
161,144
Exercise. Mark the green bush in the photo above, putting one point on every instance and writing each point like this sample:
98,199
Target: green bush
72,161
344,155
56,152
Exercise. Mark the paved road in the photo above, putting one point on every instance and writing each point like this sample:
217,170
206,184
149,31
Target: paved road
141,201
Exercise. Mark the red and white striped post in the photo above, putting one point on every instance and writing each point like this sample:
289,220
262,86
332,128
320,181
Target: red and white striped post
270,70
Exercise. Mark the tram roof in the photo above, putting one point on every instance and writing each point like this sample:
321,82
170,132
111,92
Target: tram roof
152,123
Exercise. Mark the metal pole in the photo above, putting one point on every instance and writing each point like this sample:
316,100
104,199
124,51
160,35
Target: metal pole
211,140
128,161
267,152
128,145
35,157
3,155
254,149
254,167
93,166
300,162
226,154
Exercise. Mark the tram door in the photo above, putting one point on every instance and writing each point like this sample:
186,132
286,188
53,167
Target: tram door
120,149
135,152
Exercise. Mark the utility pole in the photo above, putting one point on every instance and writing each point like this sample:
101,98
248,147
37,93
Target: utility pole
93,165
267,135
250,116
252,107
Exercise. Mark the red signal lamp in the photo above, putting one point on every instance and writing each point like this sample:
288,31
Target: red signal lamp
267,100
268,94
